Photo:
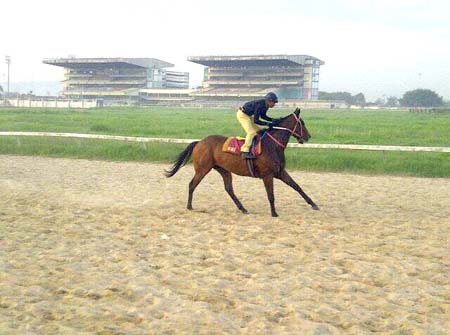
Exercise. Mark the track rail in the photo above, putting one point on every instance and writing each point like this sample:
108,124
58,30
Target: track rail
186,141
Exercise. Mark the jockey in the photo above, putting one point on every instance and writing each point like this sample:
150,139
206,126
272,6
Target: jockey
248,116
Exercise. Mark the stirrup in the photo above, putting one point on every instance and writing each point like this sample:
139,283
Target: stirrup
247,155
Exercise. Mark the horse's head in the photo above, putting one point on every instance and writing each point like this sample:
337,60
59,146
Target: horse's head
294,125
299,130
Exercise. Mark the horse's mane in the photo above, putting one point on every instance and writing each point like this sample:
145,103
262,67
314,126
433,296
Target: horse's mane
285,117
262,131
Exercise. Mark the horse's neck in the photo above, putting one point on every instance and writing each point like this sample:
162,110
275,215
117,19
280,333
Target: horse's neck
281,135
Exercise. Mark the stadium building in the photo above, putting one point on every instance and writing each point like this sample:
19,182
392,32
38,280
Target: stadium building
116,79
247,77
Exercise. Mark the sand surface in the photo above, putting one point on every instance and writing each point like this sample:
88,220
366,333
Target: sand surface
90,247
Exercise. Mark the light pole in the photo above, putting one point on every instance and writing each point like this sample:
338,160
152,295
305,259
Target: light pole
8,61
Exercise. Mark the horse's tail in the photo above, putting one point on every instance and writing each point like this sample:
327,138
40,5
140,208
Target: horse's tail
181,160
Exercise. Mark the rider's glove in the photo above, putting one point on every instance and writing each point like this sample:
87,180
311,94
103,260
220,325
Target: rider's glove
275,122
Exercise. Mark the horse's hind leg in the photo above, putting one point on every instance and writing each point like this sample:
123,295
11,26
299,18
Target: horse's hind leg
228,182
199,175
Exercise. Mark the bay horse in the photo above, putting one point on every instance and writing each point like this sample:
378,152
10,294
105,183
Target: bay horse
207,154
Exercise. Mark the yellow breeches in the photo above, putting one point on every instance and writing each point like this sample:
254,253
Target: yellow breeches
250,129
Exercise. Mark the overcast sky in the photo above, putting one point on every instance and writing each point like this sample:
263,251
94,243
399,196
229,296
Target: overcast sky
380,48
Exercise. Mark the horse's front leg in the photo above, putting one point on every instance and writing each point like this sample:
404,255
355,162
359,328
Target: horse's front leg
285,177
268,183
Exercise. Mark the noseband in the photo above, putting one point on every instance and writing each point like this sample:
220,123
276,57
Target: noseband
293,132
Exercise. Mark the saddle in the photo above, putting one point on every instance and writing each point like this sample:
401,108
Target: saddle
233,145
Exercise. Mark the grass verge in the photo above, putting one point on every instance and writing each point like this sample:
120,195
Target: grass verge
422,164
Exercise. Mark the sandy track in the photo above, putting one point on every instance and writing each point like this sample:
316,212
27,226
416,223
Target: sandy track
90,247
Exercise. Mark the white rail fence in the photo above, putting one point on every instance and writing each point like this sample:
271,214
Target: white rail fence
186,141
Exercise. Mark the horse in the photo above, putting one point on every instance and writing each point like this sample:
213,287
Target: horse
207,154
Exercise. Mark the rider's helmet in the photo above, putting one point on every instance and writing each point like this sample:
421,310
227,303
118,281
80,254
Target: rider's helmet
271,96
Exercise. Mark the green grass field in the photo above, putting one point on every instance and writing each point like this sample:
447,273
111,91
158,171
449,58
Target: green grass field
380,127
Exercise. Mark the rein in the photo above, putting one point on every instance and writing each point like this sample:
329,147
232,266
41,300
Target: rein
275,140
289,130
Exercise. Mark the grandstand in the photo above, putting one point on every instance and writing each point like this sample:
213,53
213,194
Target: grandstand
116,79
229,78
174,79
166,97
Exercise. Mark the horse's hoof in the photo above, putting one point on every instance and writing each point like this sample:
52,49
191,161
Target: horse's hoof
243,210
316,208
274,215
190,208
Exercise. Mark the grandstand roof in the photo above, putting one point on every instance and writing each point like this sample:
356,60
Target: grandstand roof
263,60
83,62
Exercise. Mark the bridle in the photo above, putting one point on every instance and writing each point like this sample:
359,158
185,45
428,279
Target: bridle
293,132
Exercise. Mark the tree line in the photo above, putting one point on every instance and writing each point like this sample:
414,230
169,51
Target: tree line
415,98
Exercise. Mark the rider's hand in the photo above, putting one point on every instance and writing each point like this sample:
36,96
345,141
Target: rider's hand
275,122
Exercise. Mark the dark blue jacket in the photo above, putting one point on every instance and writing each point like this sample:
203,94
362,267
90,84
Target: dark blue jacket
257,109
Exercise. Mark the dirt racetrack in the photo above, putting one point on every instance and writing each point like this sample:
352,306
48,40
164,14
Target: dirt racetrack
91,247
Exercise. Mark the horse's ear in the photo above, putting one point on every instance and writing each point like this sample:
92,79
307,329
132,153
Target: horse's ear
297,111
